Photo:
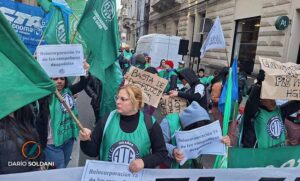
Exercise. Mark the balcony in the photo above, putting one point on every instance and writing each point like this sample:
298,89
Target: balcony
164,5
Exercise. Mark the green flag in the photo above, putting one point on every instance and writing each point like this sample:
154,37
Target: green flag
23,80
264,157
77,8
57,30
99,28
221,161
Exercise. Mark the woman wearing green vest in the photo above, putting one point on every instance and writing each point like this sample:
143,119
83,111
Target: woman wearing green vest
169,74
57,130
192,117
263,120
127,135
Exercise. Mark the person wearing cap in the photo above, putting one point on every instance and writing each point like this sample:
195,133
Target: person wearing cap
169,74
140,61
192,117
180,66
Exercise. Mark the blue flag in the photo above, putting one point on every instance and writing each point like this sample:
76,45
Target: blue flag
235,91
27,21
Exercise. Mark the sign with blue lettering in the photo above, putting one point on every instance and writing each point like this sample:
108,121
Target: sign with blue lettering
28,21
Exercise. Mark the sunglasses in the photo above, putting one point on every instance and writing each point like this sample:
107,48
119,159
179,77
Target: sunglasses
123,99
60,78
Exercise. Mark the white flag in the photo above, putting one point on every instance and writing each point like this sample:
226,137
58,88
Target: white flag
215,38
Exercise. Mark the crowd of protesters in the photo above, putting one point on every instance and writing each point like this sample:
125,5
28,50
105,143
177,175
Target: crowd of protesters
133,123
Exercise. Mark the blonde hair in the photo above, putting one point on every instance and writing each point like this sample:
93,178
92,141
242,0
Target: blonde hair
135,95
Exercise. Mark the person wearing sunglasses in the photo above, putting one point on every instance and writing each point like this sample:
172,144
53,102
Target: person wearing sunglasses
55,126
127,135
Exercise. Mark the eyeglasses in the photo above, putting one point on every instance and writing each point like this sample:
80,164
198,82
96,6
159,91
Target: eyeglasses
123,99
60,78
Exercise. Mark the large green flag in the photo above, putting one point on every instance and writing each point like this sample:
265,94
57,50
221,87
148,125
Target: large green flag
57,30
99,28
23,80
264,157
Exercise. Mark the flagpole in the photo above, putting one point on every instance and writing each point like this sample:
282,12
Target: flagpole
74,34
43,36
227,58
62,100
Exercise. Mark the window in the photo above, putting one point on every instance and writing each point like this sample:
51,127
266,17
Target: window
164,28
246,35
176,27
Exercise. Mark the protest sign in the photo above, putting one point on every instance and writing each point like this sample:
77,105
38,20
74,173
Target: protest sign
203,140
61,60
264,157
107,171
169,105
152,85
282,80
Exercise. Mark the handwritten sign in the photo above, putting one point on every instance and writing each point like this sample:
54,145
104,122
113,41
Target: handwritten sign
61,60
282,80
152,85
170,105
107,171
203,140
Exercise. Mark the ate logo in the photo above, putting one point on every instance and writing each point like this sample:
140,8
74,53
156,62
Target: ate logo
123,152
275,127
61,33
108,10
69,101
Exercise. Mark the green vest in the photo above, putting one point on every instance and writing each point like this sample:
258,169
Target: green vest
121,147
166,75
269,128
175,125
206,80
127,55
62,124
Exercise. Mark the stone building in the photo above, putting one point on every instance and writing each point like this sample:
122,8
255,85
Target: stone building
248,26
134,17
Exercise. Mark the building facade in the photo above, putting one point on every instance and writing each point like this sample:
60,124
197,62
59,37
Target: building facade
248,26
134,18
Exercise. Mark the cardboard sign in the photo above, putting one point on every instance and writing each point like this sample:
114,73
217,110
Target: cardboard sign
61,60
170,105
282,80
152,85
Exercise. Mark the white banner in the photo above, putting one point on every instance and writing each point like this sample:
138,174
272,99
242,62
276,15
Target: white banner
108,171
203,140
61,60
252,174
215,38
